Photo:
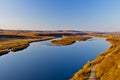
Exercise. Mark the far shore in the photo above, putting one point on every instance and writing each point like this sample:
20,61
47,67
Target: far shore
19,44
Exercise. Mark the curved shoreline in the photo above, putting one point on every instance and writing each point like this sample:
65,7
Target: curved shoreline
68,40
84,73
21,45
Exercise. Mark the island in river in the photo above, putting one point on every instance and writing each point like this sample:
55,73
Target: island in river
107,64
67,40
15,40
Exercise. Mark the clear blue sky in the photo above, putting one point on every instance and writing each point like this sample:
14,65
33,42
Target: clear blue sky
90,15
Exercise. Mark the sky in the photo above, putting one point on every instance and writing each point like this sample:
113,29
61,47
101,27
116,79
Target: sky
85,15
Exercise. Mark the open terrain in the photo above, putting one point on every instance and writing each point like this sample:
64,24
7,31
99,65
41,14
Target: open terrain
105,67
11,40
15,40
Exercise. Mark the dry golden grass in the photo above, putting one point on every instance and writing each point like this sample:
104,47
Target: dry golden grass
108,64
67,40
18,44
109,68
62,42
5,51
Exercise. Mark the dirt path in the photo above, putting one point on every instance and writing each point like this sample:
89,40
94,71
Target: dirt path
93,71
93,74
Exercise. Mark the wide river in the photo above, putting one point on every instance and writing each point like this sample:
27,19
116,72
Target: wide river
42,61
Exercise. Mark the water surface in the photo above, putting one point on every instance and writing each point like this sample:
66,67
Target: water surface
41,61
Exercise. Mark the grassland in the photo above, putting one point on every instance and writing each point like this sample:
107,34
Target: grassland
18,40
107,63
14,40
18,44
67,40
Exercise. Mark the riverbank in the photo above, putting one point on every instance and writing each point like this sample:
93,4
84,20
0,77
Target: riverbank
18,44
67,40
107,64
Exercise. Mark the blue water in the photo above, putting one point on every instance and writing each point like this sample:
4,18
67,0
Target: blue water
42,61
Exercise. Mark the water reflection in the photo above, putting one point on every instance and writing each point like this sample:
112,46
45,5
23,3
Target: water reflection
41,61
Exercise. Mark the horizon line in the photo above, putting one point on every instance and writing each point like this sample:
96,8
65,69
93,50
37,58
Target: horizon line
57,30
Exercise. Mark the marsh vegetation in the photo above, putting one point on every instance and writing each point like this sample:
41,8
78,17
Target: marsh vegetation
67,40
18,40
18,44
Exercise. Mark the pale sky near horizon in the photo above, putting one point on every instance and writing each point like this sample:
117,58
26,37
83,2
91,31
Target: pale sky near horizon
86,15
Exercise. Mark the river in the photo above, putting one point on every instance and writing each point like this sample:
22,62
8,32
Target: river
42,61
